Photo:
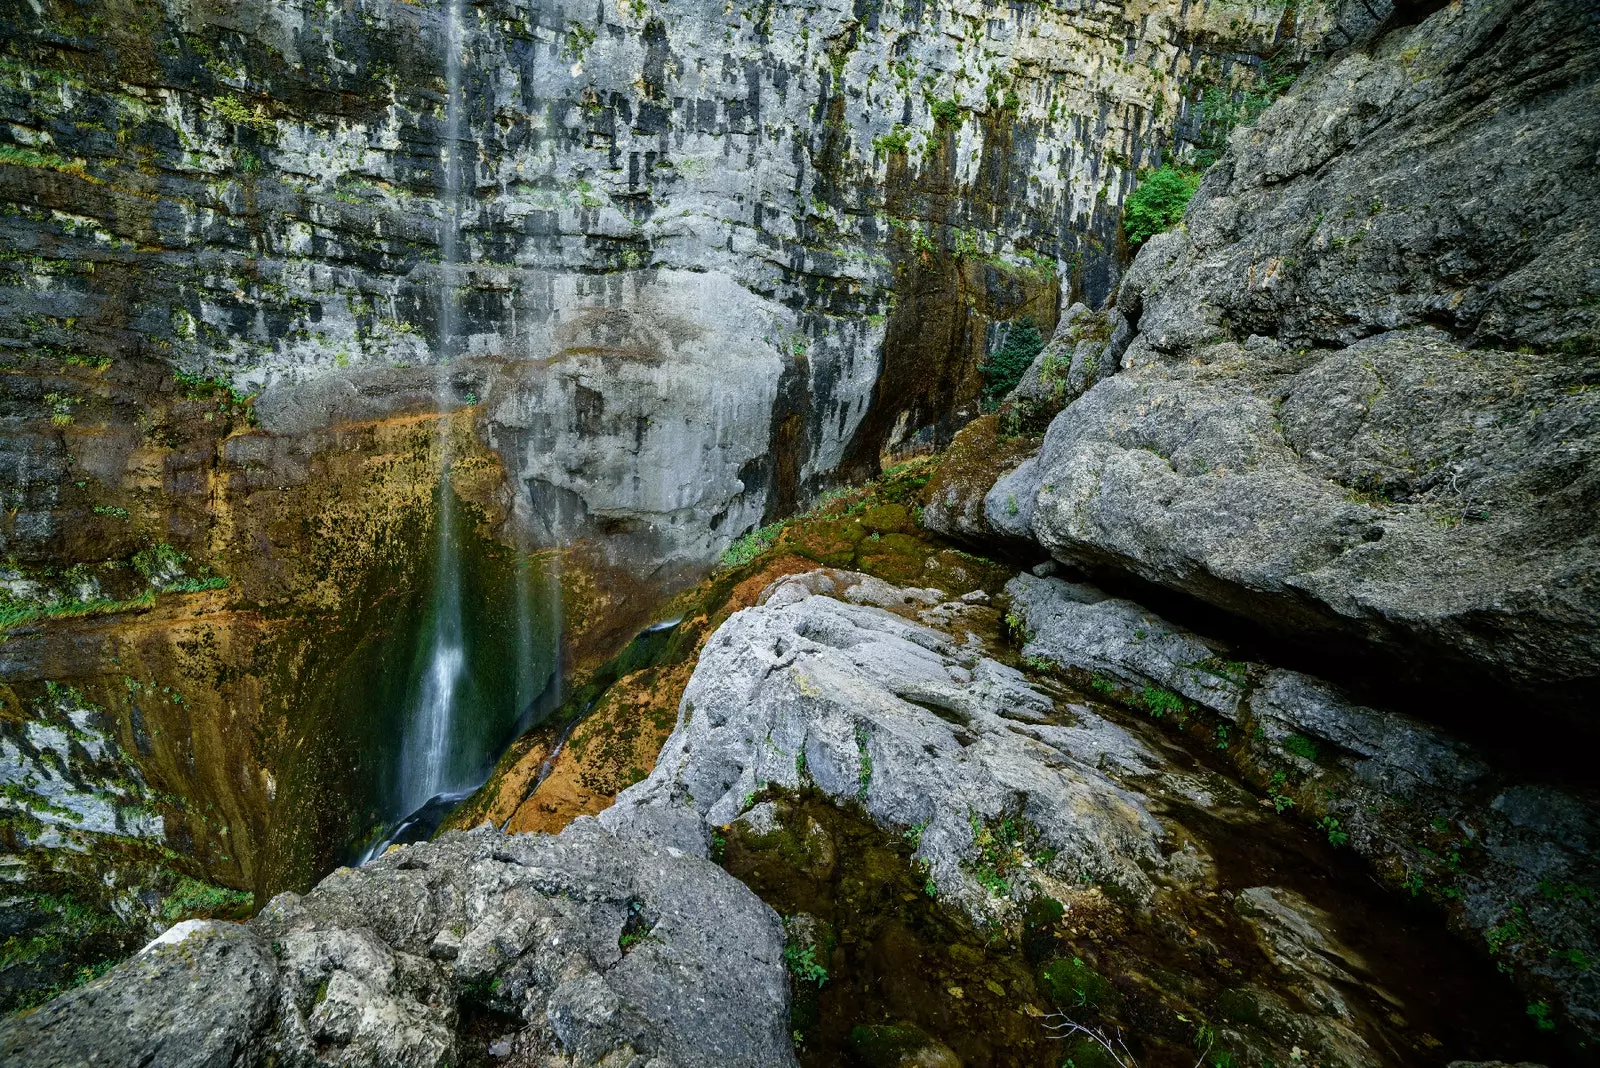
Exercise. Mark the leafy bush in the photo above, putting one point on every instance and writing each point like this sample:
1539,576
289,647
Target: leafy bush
1158,203
946,112
1005,366
898,140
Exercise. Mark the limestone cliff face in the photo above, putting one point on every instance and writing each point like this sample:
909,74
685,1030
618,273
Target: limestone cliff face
817,209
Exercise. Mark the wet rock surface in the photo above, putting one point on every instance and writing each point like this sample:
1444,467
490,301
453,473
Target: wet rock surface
1508,858
1359,404
572,950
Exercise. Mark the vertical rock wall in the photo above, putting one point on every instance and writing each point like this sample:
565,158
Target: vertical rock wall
249,192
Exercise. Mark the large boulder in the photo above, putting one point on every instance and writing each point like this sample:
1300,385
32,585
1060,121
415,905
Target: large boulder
579,949
1360,402
916,725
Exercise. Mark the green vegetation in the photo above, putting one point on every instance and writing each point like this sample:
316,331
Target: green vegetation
60,408
749,546
1336,836
1223,107
1301,746
1071,983
19,156
803,963
1003,846
191,897
14,613
1005,366
1540,1011
1158,203
203,387
945,112
230,109
1506,933
579,39
897,140
1159,702
157,561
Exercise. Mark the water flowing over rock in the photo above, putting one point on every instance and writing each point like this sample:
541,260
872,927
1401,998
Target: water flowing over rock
1360,404
579,949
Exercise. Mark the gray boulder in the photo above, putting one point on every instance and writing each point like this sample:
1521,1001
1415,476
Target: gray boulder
604,952
922,730
201,994
1359,404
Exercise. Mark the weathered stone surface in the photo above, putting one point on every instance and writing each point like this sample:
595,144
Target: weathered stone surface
1360,403
1077,626
607,952
922,731
201,995
257,193
1506,856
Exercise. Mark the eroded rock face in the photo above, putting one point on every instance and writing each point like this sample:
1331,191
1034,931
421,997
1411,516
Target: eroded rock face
603,951
1359,405
258,194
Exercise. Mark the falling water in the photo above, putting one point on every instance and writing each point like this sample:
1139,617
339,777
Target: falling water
431,764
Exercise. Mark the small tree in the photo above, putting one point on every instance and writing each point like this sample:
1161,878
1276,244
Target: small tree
1004,367
1158,203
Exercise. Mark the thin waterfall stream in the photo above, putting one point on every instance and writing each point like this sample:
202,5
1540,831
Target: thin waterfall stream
429,766
437,765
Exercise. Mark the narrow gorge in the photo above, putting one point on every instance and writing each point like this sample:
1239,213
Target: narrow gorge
668,533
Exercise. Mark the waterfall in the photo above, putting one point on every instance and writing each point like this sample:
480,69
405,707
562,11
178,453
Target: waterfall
430,764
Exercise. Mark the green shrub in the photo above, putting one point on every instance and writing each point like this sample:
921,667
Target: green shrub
1071,984
946,112
1158,203
898,140
1005,366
